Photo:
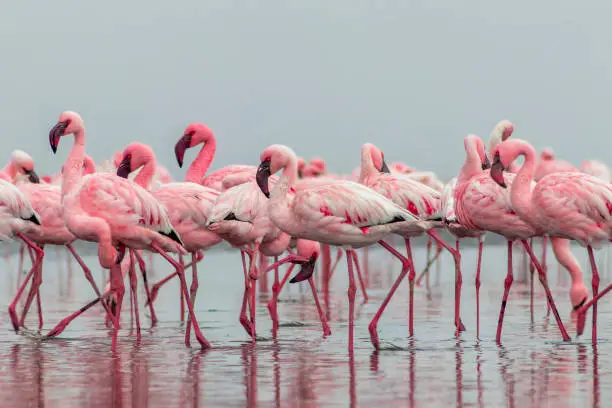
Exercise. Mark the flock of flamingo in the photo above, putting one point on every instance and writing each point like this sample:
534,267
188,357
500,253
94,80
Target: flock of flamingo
131,204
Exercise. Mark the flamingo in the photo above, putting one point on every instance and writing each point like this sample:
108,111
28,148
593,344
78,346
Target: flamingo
107,209
598,169
549,164
334,212
480,203
569,204
186,203
20,163
417,198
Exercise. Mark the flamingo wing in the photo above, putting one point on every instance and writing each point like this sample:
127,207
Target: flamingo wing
186,202
345,202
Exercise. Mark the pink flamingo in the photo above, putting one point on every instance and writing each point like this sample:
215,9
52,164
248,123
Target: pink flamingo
194,135
112,211
480,203
335,212
597,169
187,205
549,164
19,164
417,198
564,204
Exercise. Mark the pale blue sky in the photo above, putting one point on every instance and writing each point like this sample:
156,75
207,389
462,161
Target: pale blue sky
413,77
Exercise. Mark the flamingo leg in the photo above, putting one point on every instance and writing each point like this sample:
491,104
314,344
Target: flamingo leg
583,309
193,291
430,262
507,285
246,323
595,285
457,257
352,290
155,288
272,305
549,297
336,261
20,265
34,291
179,269
38,260
406,265
326,262
477,284
134,294
458,284
143,272
61,326
326,329
182,295
91,280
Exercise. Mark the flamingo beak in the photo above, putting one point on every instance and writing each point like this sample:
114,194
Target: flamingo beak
179,148
55,133
384,168
125,167
306,271
486,164
497,172
262,176
32,176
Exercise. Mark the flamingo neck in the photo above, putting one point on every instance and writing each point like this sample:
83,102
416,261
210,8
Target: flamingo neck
367,166
286,180
9,172
73,167
202,162
563,253
471,167
146,173
521,190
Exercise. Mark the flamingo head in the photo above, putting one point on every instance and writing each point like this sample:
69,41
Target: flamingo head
273,159
506,128
376,156
135,155
69,122
194,134
503,156
301,163
25,165
547,154
318,166
309,252
475,146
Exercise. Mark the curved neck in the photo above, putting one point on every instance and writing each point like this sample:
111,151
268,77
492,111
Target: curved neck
521,191
10,171
146,173
367,166
472,166
286,180
73,167
202,162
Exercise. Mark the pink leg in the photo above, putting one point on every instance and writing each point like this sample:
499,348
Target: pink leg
34,287
134,295
193,291
549,297
457,257
360,276
246,323
595,285
352,290
280,287
406,265
477,283
411,276
158,285
38,260
325,263
143,272
91,280
117,286
61,326
272,303
507,285
326,330
583,309
458,284
428,266
333,267
182,295
181,275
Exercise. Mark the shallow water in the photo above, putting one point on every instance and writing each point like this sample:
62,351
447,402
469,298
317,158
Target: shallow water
533,367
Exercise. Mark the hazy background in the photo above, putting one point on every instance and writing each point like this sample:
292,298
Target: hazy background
414,77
